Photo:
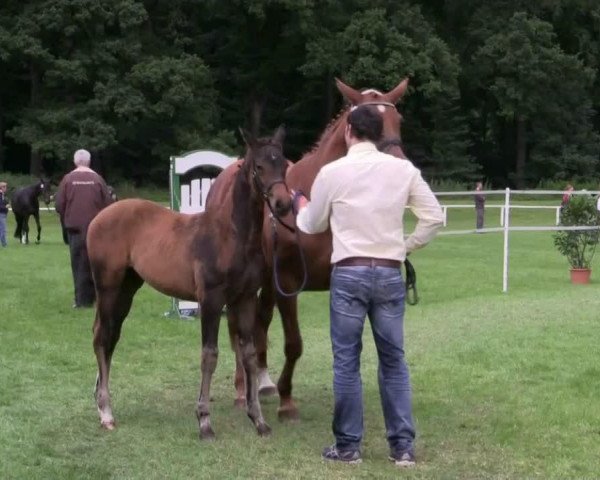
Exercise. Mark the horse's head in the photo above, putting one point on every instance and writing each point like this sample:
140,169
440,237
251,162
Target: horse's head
386,105
44,189
266,166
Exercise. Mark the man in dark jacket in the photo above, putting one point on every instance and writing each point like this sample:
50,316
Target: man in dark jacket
479,205
3,213
82,193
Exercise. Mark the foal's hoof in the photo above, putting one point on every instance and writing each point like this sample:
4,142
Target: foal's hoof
268,391
240,403
108,425
207,434
288,414
206,431
263,430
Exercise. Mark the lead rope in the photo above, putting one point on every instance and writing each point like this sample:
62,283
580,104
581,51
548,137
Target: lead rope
412,296
302,259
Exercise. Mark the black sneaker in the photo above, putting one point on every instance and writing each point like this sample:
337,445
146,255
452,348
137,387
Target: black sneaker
351,457
405,459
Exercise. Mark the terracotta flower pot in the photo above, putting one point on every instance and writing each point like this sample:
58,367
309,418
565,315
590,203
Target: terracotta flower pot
580,275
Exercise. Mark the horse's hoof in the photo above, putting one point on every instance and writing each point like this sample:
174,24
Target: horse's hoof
288,414
108,425
240,403
207,434
268,391
264,430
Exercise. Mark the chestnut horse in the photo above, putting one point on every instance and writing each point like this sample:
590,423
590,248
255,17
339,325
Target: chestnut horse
214,258
291,267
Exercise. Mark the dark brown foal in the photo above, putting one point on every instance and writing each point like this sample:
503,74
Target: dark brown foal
214,258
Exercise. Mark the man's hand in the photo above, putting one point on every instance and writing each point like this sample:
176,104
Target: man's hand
299,201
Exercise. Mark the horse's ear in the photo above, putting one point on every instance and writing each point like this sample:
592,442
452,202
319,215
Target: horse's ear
353,96
247,137
394,95
279,135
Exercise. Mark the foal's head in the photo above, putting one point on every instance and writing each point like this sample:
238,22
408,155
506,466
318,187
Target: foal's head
44,190
266,166
386,105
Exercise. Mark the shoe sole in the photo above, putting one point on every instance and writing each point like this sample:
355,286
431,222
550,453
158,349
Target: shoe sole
402,463
345,462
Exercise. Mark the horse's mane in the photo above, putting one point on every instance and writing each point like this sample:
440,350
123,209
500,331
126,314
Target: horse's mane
328,131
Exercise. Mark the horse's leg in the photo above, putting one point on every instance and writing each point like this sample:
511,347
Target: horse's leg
19,228
36,216
239,381
246,311
264,316
112,306
288,308
211,307
25,229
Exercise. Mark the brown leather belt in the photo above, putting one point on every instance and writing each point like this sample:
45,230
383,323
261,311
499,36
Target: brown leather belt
368,262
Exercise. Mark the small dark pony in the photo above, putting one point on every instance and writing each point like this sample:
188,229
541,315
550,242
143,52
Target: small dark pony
215,258
25,203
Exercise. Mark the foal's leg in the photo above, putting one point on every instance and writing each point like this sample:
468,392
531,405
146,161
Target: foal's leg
211,307
239,378
36,216
245,311
288,308
112,306
264,316
25,232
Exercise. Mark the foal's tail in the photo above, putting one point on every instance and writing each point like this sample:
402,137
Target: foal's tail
19,229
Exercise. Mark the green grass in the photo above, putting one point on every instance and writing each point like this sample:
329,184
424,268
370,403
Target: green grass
505,385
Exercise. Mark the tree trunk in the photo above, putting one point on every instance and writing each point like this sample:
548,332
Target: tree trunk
256,116
521,151
1,138
35,159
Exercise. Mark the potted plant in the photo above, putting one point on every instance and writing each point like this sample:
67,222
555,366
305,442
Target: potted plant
579,246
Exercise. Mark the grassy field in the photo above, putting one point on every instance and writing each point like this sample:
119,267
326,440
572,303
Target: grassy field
505,385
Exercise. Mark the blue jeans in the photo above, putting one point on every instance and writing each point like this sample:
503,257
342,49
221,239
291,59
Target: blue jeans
3,229
379,293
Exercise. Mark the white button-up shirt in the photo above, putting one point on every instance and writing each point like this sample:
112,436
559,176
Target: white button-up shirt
363,197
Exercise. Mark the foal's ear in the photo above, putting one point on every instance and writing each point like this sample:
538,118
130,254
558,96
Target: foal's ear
279,135
247,137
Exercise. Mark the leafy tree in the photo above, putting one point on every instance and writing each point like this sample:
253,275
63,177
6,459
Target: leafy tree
537,87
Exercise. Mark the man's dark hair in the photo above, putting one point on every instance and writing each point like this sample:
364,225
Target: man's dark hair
366,123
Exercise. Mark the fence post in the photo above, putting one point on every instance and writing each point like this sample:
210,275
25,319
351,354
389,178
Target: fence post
506,230
445,213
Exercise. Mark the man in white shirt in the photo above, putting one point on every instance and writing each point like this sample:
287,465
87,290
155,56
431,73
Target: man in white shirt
362,197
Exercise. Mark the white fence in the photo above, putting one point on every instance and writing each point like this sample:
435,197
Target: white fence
505,217
502,210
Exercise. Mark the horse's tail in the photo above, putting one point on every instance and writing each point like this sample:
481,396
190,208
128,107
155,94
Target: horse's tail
19,229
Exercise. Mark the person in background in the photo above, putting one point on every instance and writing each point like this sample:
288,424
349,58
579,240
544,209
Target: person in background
3,213
479,205
363,197
566,196
81,195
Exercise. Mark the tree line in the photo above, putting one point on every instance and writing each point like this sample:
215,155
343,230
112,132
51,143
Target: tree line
505,91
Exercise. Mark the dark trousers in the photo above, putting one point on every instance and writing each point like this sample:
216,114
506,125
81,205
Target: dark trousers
479,212
80,267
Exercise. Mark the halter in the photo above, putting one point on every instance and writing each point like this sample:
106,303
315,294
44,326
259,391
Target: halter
374,102
265,192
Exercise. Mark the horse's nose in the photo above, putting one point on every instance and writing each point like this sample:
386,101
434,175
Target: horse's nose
282,207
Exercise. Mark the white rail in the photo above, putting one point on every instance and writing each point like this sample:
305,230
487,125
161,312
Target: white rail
505,218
